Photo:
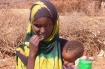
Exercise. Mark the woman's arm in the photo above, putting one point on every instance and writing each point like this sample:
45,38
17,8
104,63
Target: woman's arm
34,46
31,61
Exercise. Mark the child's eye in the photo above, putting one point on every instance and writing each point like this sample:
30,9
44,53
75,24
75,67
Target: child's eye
37,25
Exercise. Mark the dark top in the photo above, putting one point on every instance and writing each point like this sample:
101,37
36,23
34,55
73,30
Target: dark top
62,43
67,67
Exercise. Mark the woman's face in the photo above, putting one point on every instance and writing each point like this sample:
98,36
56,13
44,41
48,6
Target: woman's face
43,27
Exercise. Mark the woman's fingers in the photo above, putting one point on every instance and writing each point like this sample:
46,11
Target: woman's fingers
35,40
34,44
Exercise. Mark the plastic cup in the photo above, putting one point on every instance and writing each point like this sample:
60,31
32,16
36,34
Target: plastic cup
84,64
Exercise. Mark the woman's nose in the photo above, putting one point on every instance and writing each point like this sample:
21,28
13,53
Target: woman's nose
42,30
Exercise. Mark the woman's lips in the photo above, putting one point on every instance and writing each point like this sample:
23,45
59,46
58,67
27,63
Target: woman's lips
43,36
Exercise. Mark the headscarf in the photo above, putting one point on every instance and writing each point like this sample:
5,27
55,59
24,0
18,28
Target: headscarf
49,55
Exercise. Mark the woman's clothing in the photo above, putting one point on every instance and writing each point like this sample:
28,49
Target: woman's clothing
49,55
24,58
67,67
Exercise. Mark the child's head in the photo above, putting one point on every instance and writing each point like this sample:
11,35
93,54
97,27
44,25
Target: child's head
71,51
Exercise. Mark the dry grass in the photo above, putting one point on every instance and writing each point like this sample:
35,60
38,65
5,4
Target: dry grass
76,22
74,25
13,26
88,30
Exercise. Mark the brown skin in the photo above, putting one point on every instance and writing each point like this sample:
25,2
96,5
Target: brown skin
43,28
69,58
34,45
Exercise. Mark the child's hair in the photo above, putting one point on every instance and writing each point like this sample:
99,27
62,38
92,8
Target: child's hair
75,47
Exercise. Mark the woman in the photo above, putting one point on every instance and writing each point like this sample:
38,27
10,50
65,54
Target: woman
43,34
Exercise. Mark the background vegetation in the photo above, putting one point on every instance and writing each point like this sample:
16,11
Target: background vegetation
82,20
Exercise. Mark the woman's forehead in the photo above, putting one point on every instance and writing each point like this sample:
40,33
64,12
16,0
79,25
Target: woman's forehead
43,20
43,12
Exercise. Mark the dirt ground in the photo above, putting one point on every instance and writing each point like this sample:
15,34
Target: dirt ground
88,29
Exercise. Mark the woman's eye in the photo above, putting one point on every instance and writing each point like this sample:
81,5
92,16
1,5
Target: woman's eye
37,25
48,25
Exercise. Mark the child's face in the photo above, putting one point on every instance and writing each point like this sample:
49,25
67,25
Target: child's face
68,58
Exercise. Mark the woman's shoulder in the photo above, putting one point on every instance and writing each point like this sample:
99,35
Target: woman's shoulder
22,48
63,42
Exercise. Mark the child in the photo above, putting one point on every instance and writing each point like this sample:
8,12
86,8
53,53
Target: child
72,50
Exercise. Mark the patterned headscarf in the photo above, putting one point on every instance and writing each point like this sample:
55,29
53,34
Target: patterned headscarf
49,55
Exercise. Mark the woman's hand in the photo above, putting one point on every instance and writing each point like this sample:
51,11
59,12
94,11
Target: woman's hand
34,45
